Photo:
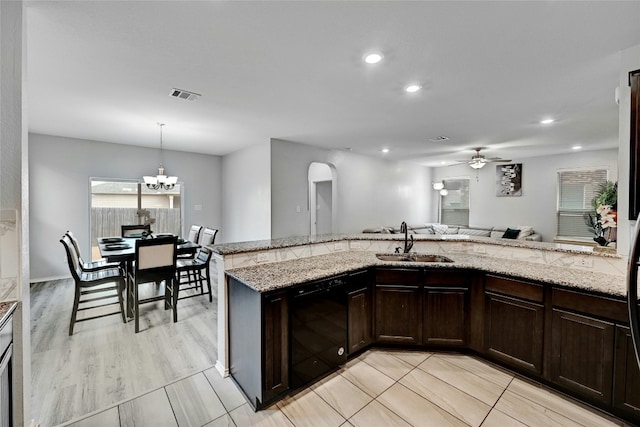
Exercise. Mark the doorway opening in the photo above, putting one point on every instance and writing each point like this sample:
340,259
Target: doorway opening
322,198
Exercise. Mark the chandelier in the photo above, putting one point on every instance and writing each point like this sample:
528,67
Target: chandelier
160,181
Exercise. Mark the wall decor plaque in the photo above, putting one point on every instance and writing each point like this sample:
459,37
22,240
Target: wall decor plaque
509,180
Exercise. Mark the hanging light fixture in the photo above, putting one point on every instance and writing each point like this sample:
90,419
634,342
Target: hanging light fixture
160,181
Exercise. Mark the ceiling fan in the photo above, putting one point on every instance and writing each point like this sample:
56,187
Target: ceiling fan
478,160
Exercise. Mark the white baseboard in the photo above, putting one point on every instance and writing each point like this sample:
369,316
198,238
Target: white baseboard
48,279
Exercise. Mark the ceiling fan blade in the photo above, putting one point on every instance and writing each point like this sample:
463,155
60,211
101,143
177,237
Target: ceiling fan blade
498,160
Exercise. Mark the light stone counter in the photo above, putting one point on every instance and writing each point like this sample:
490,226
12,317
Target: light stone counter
289,242
270,264
267,277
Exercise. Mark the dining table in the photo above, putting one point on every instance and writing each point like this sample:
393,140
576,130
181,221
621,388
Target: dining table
123,250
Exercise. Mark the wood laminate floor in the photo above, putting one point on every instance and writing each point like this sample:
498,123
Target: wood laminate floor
107,376
105,362
381,388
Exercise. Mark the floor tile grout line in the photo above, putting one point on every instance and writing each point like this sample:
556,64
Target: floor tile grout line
173,411
464,391
452,386
596,411
120,402
496,402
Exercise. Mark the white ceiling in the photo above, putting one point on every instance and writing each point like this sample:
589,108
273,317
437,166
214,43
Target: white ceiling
293,70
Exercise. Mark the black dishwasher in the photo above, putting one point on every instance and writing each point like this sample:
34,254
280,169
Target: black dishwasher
318,329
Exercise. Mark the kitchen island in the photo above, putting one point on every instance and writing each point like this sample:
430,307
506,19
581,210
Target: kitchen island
534,309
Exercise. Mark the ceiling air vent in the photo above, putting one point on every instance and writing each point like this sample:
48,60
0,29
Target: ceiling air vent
184,94
440,138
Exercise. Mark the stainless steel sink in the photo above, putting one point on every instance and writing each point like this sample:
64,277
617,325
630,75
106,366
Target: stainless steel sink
413,258
430,258
392,257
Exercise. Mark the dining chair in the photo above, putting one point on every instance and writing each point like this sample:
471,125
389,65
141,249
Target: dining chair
193,236
92,265
135,230
154,262
90,287
192,274
194,233
208,236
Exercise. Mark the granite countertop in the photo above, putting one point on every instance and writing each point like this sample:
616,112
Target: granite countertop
268,277
260,245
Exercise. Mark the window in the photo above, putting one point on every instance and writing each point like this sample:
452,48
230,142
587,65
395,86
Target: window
116,202
576,190
455,204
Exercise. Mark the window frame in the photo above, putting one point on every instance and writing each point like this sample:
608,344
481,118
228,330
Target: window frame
441,203
139,183
560,211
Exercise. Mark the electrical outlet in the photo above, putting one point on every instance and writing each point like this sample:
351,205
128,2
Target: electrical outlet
298,209
338,247
479,249
355,245
585,261
263,257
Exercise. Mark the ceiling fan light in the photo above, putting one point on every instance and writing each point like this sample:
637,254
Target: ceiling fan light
477,165
444,192
438,185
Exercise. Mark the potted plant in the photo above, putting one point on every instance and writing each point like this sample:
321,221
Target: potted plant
603,222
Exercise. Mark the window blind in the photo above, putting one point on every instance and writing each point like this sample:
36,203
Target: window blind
576,190
454,208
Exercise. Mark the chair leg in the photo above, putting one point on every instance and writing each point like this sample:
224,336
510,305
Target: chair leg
121,290
74,311
175,288
209,286
136,307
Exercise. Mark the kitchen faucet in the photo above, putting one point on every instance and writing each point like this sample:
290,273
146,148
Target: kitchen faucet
407,245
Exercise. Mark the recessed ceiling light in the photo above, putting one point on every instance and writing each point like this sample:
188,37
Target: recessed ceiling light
576,147
443,162
385,150
373,57
412,88
546,121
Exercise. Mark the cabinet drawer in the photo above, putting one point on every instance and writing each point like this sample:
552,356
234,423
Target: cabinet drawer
398,276
515,288
446,278
591,304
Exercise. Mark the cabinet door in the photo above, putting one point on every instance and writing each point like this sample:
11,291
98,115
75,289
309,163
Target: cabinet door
398,314
582,355
446,316
360,325
514,331
626,391
276,345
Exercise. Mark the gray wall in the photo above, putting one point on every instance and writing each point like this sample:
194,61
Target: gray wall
538,204
60,169
370,191
246,194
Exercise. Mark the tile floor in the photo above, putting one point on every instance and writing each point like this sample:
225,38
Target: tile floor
379,388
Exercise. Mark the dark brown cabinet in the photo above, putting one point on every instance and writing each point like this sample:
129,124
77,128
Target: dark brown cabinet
258,342
514,321
360,311
398,306
582,354
276,344
446,308
626,390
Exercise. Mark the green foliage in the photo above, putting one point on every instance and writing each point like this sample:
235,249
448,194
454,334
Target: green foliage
607,195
